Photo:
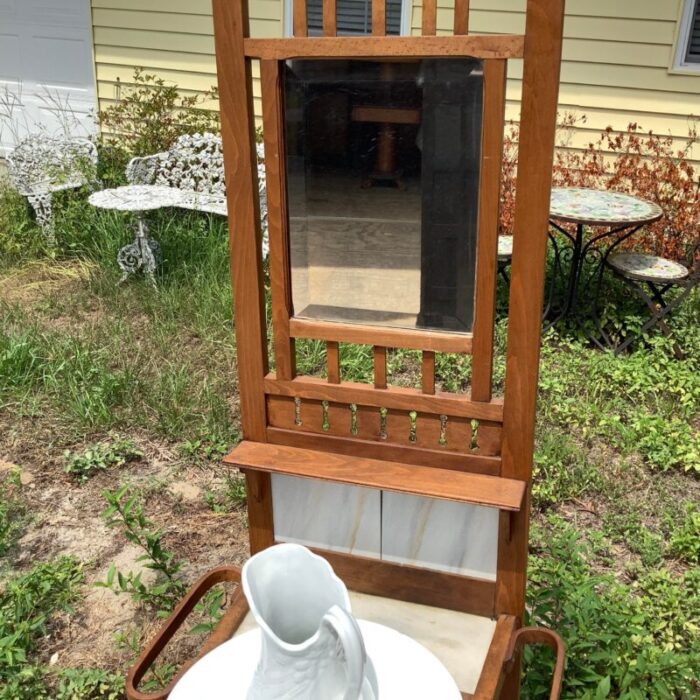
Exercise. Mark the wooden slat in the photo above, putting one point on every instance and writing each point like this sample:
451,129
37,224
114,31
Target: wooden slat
333,362
420,456
463,487
428,372
461,19
410,339
379,356
329,18
378,17
299,18
489,206
413,584
541,72
429,17
393,397
491,677
278,228
240,161
393,428
477,46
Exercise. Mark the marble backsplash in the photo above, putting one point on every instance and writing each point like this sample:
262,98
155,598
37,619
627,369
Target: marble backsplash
434,534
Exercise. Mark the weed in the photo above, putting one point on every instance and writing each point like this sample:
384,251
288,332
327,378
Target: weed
562,471
89,684
621,642
685,538
100,457
27,603
126,511
211,448
229,499
12,511
628,528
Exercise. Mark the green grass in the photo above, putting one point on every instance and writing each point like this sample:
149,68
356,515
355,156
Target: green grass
616,534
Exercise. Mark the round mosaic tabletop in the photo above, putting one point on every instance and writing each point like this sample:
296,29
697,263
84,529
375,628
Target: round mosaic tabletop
600,207
136,198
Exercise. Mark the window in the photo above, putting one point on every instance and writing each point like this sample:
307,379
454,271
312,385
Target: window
354,17
688,50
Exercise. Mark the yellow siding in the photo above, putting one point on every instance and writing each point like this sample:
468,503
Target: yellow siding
616,60
173,38
617,53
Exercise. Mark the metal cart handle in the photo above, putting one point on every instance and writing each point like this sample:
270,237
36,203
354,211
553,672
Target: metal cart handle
224,630
539,635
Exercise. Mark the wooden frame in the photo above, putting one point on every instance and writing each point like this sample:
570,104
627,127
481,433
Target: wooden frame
376,434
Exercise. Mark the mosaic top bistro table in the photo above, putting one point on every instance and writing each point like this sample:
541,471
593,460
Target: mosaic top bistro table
619,216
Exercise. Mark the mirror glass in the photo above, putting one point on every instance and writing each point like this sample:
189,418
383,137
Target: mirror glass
382,183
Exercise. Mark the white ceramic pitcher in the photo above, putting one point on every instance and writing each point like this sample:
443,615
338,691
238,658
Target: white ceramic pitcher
312,646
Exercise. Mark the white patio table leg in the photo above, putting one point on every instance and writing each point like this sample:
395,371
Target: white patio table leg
141,254
42,205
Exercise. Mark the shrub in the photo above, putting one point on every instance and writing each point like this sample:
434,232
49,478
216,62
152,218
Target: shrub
635,161
148,117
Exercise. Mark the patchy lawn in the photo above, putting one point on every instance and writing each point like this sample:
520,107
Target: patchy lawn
126,398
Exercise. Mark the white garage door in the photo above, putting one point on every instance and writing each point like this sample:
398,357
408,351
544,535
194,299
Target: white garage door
46,67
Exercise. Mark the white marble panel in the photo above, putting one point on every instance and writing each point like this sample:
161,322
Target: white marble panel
331,516
442,535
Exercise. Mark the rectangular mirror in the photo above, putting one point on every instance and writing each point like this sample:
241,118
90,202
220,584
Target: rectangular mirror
383,162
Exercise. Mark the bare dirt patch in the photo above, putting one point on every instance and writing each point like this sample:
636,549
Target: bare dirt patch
65,519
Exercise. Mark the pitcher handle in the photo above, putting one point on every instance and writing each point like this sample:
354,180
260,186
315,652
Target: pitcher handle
345,627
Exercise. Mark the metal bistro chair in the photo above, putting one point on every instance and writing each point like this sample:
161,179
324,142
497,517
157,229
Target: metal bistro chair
651,277
505,256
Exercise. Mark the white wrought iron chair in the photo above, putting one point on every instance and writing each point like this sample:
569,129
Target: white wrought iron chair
41,165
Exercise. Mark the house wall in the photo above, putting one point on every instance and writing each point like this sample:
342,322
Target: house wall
173,38
616,68
616,65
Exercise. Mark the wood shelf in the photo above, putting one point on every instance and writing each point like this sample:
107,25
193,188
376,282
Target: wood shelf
444,484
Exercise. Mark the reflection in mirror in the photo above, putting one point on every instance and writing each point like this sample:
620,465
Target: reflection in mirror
383,179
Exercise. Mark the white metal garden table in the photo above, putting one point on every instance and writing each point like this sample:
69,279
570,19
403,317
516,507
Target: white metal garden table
143,252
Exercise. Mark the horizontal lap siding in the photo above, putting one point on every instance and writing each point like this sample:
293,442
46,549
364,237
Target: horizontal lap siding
616,59
171,38
615,70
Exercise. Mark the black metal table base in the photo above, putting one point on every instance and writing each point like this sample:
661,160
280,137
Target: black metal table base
584,280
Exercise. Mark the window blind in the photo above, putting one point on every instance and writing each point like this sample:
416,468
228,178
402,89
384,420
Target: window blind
354,17
693,55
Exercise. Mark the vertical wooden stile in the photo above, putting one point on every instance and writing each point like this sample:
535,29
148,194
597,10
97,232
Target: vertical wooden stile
428,372
240,160
278,224
299,18
333,361
489,207
329,18
379,354
429,18
378,17
461,22
541,71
